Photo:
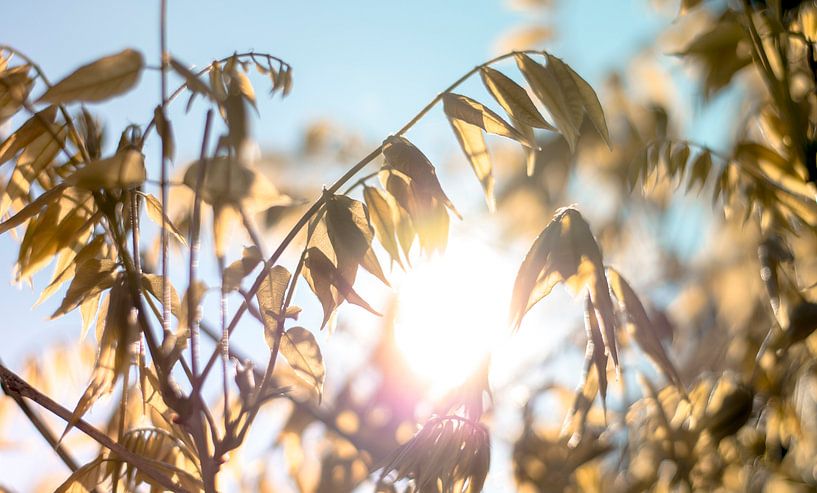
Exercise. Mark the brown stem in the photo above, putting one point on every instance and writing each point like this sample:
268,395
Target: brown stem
14,385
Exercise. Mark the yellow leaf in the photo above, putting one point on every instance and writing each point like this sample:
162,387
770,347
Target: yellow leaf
107,77
565,252
33,128
382,212
270,298
125,169
347,224
193,83
587,96
459,107
303,354
472,143
154,210
15,85
92,277
513,98
238,270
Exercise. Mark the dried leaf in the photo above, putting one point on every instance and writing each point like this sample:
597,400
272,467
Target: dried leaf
303,354
32,129
587,96
15,86
458,107
513,98
472,143
642,328
123,170
381,206
100,80
154,210
238,270
565,252
92,277
270,298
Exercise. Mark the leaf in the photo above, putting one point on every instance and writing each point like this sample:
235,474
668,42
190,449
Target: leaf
193,83
567,116
303,354
513,98
594,352
458,107
472,143
15,86
700,170
565,252
270,298
347,224
85,479
123,170
33,128
238,270
589,99
403,156
92,277
100,80
62,275
381,206
642,328
165,130
227,181
35,158
154,210
152,283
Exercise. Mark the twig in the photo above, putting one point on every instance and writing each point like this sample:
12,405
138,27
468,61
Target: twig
14,385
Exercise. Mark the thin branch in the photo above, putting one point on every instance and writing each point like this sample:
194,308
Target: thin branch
14,385
337,185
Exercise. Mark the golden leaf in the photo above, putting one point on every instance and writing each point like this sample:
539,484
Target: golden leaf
458,107
227,181
381,206
33,128
152,283
85,479
303,354
15,85
193,83
92,277
347,224
238,270
154,210
565,252
64,273
513,98
473,145
125,169
107,77
642,328
270,298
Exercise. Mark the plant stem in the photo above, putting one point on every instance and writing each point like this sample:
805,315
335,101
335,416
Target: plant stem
163,178
15,385
335,187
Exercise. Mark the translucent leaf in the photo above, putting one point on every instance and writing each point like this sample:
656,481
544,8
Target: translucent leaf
381,206
459,107
154,210
513,98
589,100
33,128
15,86
473,145
85,479
303,354
270,298
347,224
123,170
565,252
92,277
642,328
238,270
100,80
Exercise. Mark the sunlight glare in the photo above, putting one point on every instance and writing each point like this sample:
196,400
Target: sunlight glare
452,309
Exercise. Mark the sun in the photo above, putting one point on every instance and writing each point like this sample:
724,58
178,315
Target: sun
452,309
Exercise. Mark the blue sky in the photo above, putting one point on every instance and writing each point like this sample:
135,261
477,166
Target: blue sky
367,65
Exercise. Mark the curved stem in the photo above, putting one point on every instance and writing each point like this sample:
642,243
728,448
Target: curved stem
304,219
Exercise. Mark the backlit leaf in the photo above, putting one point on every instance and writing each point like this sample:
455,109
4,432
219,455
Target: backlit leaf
92,277
458,107
565,252
382,212
473,145
270,298
100,80
125,169
154,210
513,98
238,270
303,354
33,128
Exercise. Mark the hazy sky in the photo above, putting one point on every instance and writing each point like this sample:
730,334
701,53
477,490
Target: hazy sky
368,65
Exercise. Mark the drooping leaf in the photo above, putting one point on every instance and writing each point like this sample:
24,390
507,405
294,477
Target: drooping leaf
270,298
459,107
303,354
15,86
123,170
382,207
193,83
92,277
513,98
165,130
238,270
227,181
347,224
566,115
642,328
152,283
63,274
473,145
100,80
86,479
33,128
154,210
565,252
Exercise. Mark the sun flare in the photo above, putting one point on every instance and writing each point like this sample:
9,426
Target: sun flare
452,309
